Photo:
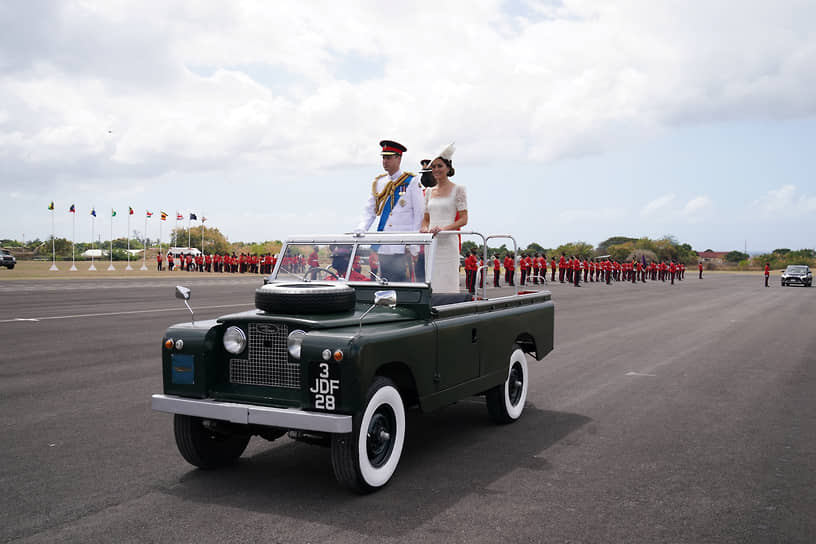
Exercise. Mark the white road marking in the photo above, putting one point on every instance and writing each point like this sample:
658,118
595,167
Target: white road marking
641,374
120,313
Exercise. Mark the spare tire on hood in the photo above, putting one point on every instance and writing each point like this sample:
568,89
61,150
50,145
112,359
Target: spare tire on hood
305,298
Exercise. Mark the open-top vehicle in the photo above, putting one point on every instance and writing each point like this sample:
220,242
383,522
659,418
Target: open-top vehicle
334,353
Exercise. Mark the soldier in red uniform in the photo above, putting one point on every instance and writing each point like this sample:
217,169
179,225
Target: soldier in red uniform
159,261
496,271
700,268
526,265
471,265
374,263
170,262
576,271
552,269
767,273
562,267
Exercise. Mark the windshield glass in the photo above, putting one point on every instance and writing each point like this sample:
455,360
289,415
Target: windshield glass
797,269
376,262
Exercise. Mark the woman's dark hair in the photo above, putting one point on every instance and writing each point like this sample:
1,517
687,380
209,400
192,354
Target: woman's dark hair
449,164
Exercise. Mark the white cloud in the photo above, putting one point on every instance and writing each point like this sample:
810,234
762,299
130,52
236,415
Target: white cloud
785,202
658,205
561,80
697,206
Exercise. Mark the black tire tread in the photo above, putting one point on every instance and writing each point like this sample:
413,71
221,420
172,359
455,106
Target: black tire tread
494,398
199,450
344,447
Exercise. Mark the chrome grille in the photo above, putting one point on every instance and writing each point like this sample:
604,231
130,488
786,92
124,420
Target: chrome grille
268,359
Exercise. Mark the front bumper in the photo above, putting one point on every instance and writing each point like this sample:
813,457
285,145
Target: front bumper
285,418
795,279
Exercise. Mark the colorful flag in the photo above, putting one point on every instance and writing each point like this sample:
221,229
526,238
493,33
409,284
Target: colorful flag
51,206
193,217
72,209
203,218
130,210
148,213
164,216
179,217
93,212
113,212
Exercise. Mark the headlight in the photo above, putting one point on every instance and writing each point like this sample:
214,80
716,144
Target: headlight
234,340
294,342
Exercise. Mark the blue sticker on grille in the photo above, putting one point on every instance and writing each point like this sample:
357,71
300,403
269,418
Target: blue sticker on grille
182,369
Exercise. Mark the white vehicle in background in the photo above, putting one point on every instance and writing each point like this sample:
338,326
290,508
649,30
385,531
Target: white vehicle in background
797,274
7,259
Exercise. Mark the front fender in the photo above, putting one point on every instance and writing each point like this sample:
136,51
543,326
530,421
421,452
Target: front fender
189,371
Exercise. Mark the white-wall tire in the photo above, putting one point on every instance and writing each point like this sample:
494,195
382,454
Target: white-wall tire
505,402
366,459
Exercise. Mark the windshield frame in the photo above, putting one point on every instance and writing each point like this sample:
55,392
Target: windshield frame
355,241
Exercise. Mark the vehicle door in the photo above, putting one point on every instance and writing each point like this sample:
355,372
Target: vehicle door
457,341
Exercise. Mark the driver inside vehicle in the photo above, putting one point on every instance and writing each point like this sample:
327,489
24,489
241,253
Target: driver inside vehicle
322,262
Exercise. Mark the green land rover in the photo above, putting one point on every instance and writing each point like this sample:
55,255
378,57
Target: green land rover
334,353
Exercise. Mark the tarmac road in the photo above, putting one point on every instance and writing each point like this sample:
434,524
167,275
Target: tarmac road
666,413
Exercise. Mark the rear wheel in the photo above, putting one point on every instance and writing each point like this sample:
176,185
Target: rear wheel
505,402
365,460
204,446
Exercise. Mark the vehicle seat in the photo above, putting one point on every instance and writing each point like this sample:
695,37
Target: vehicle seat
441,299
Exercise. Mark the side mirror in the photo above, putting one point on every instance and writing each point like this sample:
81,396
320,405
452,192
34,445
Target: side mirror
381,298
385,298
182,292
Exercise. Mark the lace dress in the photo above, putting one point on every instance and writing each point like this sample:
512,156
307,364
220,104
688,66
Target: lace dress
442,212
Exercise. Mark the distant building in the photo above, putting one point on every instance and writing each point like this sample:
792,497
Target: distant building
95,253
176,251
713,257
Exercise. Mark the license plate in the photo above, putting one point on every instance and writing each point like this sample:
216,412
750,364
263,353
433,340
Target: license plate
324,385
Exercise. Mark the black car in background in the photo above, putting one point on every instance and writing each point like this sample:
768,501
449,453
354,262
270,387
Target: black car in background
797,274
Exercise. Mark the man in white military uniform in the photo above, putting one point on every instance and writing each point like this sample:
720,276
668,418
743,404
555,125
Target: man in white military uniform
396,202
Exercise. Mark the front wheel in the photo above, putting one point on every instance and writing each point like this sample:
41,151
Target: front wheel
505,402
365,460
203,446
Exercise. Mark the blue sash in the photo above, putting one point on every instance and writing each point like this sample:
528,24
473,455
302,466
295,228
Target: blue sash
386,212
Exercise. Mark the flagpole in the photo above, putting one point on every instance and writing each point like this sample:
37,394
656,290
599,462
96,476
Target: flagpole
160,232
188,230
73,240
53,246
93,222
202,234
111,243
128,267
144,260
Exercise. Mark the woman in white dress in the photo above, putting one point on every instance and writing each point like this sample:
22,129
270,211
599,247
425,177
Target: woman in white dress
442,203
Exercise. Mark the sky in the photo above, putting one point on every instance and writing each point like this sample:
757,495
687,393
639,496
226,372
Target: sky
573,120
